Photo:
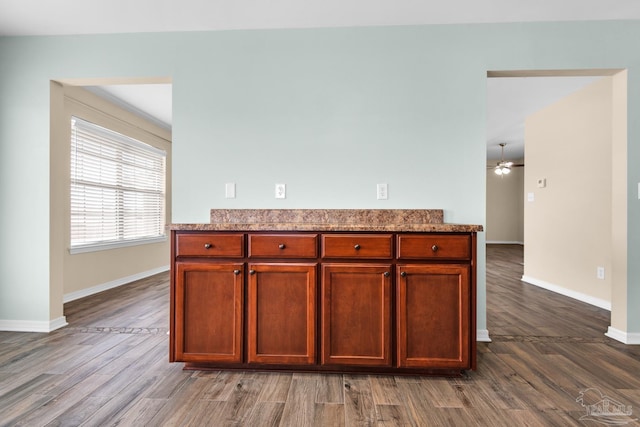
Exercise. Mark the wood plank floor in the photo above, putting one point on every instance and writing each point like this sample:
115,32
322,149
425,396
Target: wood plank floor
110,367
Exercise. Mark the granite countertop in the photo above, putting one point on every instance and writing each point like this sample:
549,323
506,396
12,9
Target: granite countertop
391,220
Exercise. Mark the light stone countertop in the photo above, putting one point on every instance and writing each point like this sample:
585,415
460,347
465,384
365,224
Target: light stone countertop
391,220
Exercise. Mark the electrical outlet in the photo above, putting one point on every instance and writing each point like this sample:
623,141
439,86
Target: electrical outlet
600,273
383,192
281,191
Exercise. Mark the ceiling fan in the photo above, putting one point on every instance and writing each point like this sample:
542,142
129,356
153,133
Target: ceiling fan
502,167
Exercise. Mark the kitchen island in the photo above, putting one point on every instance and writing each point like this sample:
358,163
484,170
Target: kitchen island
336,290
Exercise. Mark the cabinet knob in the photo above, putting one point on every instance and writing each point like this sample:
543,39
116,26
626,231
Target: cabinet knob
252,272
386,274
207,245
236,272
282,246
403,274
356,247
434,248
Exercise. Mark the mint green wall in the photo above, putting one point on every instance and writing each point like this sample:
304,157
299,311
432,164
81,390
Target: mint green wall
329,112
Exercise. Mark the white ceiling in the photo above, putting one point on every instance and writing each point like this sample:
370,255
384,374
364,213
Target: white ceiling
47,17
153,102
509,99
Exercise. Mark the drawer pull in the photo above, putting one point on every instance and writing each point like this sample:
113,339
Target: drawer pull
208,245
236,272
386,274
252,272
403,274
356,247
282,246
434,248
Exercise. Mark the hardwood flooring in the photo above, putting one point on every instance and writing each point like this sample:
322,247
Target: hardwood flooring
110,367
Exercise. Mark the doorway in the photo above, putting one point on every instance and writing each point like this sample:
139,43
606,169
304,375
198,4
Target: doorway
104,103
556,194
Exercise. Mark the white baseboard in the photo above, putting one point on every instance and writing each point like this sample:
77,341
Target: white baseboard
482,335
33,325
632,338
72,296
503,242
598,302
52,325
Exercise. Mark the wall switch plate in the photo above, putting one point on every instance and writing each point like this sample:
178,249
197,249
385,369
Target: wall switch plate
230,190
382,192
281,191
600,273
531,197
542,183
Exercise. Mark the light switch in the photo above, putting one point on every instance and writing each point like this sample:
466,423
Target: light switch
230,190
530,197
542,183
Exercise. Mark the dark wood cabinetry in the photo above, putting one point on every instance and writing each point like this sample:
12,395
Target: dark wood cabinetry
357,246
208,312
281,313
356,314
379,302
208,245
433,309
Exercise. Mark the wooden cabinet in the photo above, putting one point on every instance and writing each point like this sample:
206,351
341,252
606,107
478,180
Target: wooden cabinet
220,245
435,301
380,302
281,313
431,247
281,308
208,312
357,246
356,314
283,246
433,309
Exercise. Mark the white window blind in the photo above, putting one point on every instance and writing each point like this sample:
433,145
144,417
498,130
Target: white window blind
117,189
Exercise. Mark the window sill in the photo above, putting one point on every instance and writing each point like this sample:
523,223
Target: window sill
115,245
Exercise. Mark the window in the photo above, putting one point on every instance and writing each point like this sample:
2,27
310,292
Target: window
117,189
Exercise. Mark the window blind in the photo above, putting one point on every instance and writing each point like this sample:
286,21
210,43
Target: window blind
117,188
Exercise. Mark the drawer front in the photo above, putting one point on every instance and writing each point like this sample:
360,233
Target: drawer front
434,246
210,245
283,245
357,246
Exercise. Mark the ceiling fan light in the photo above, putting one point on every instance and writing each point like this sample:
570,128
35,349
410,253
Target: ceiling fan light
503,168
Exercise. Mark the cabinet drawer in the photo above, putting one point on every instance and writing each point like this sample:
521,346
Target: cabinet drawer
434,246
357,246
283,245
210,245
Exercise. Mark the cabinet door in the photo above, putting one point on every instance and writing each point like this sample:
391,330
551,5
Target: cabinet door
433,309
356,314
208,312
281,313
